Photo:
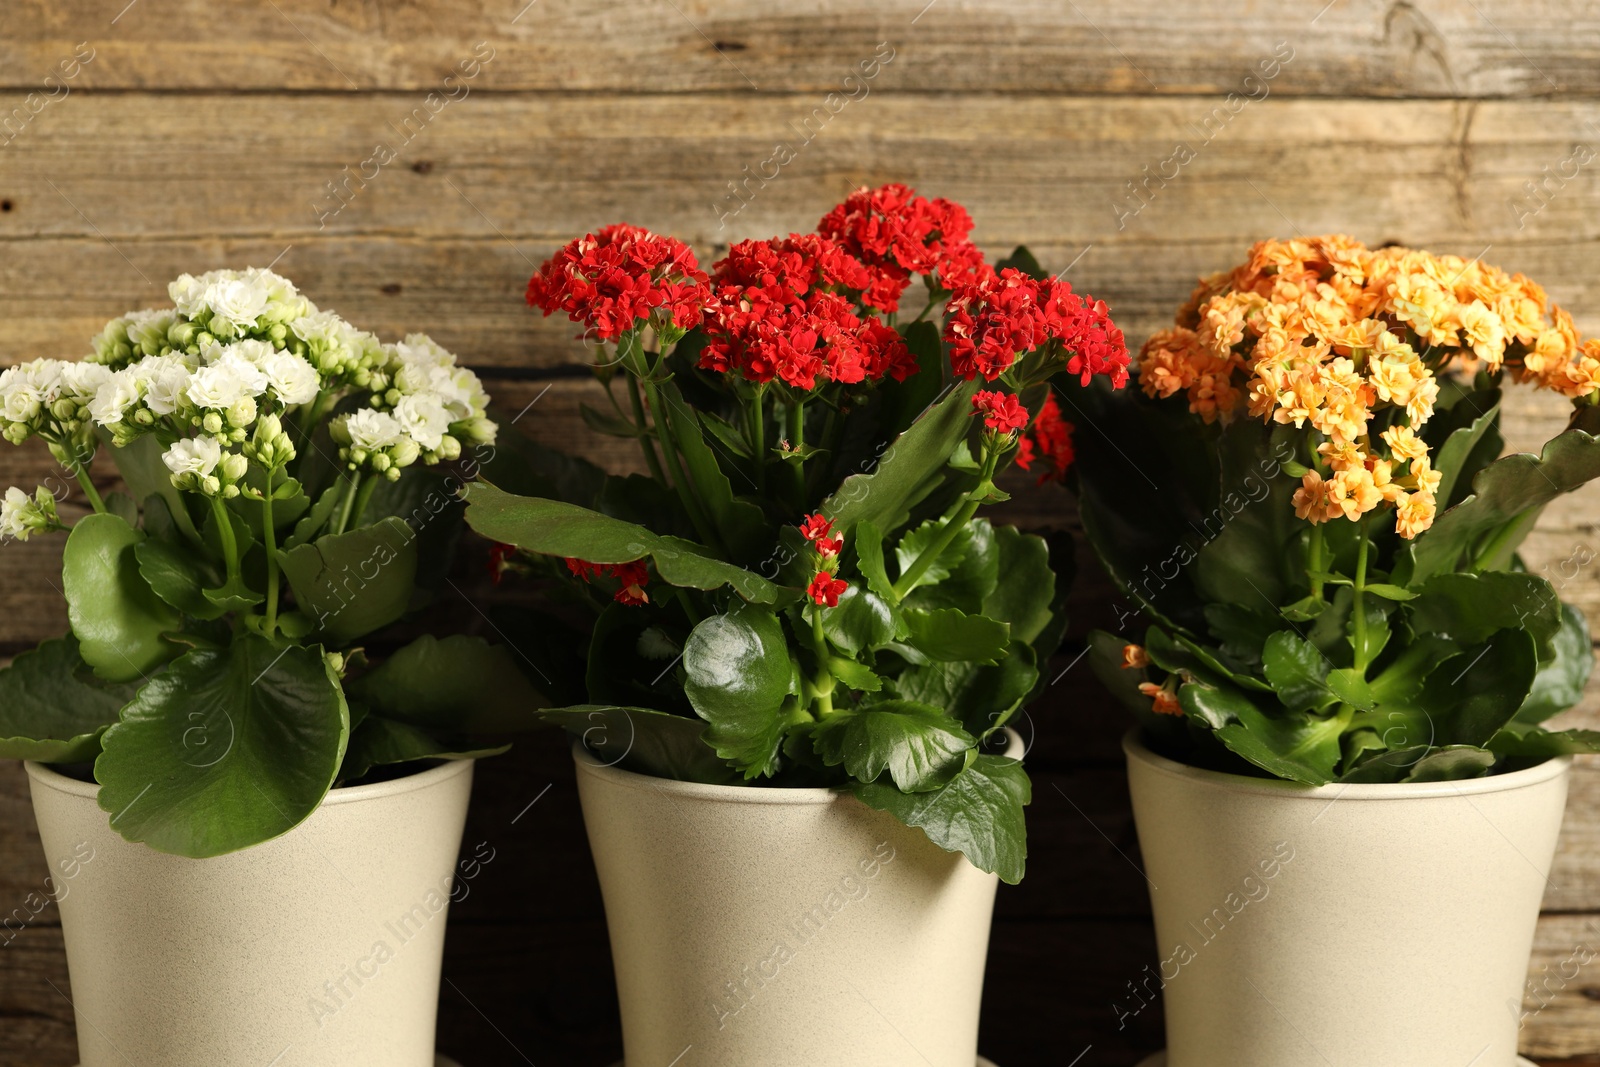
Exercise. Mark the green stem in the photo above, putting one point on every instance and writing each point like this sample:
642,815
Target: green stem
1506,535
645,443
830,428
758,438
82,471
356,479
932,300
823,682
797,425
270,540
1314,559
953,525
230,544
1358,604
687,605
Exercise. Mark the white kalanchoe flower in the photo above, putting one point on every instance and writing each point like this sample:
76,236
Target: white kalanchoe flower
424,419
116,395
293,380
376,441
194,463
26,389
372,430
235,305
166,384
22,516
227,379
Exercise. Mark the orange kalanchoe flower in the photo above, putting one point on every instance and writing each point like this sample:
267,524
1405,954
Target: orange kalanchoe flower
1163,701
1134,657
1351,341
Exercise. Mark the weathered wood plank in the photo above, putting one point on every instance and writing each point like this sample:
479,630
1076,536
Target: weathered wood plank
1353,48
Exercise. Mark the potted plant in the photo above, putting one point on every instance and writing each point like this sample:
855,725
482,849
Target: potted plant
1346,799
801,642
272,820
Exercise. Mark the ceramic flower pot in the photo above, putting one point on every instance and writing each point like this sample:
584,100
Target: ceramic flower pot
1379,925
783,927
320,948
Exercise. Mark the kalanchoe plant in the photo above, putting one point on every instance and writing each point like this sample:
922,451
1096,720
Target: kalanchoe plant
1306,499
280,510
804,591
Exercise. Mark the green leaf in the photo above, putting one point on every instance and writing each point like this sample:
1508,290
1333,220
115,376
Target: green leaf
314,521
1350,686
607,423
224,749
1298,672
1390,592
1470,607
910,469
738,675
1504,492
1563,675
869,559
740,524
984,697
139,463
355,582
979,813
853,675
948,634
456,684
1471,696
1022,259
1300,747
558,529
645,741
1242,631
378,741
51,709
969,570
920,746
861,620
1452,763
1025,587
180,576
1541,744
1105,659
115,615
1452,458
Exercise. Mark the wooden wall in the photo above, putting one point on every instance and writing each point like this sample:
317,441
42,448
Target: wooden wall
139,140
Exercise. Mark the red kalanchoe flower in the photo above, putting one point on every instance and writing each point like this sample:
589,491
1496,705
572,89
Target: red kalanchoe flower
816,527
632,576
778,310
825,589
828,547
898,234
993,321
613,280
1002,412
1051,438
501,558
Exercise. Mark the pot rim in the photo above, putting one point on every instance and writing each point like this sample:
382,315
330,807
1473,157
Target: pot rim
48,776
1554,767
732,794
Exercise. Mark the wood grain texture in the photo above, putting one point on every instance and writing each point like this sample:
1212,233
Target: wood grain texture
1355,48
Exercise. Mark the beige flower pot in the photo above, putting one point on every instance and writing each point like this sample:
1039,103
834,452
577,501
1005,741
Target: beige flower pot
1348,925
321,948
763,927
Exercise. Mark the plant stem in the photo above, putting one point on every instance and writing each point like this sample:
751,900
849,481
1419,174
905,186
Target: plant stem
1358,604
830,428
646,445
758,438
81,470
687,605
823,682
270,540
230,544
1314,554
356,479
953,525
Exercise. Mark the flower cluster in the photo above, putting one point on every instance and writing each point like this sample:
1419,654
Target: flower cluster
1352,341
621,277
825,588
781,310
897,234
1049,443
631,578
22,516
995,320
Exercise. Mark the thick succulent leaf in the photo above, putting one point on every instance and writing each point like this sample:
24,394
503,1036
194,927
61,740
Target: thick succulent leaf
356,582
1024,593
984,697
51,708
739,523
1539,743
558,529
948,634
1298,672
1505,492
180,576
224,749
118,620
145,475
457,684
861,620
738,674
909,470
1563,674
1469,607
979,813
381,742
646,741
1470,697
1300,747
918,745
